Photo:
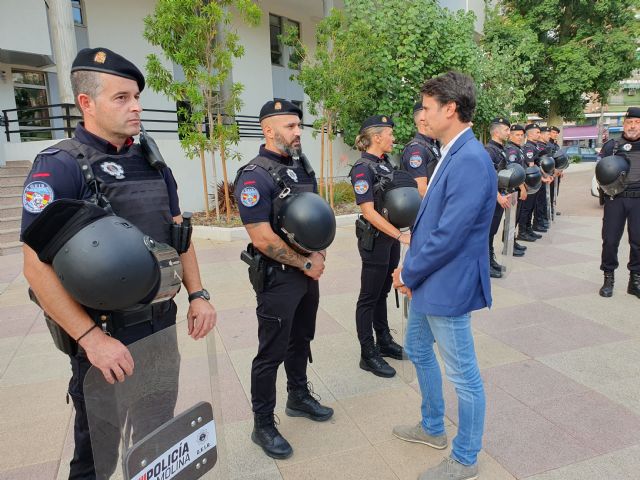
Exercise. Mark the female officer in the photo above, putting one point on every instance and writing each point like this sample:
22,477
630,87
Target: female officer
378,244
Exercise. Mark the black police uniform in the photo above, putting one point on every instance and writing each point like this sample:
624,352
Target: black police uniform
137,192
532,155
420,156
540,220
552,149
624,207
499,158
516,155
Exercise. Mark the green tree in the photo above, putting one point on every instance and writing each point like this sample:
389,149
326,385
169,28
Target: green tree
585,47
196,35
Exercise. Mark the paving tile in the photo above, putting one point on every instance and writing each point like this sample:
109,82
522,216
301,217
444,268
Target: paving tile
492,352
36,368
589,272
504,297
625,392
39,471
30,402
538,284
351,465
550,255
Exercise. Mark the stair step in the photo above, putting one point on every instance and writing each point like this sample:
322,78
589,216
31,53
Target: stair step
11,211
7,171
11,190
8,223
9,235
10,248
11,200
19,163
11,180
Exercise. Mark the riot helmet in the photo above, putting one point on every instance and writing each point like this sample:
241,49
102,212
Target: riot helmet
401,205
562,160
611,173
547,164
533,179
510,178
306,222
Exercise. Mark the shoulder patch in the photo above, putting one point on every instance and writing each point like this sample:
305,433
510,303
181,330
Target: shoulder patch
249,168
249,196
49,151
415,161
513,157
529,154
36,196
361,187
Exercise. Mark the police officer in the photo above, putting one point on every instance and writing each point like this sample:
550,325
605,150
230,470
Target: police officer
553,148
288,302
421,154
107,88
513,150
499,131
624,207
540,220
532,153
380,259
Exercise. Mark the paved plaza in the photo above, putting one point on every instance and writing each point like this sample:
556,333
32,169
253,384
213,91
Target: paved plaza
560,364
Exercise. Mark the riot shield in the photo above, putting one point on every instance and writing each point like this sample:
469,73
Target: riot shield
547,191
406,369
161,422
509,235
556,186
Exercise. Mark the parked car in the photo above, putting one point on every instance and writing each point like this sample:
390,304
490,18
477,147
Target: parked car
586,154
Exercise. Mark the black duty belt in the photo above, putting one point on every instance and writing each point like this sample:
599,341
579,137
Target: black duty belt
629,194
116,321
282,266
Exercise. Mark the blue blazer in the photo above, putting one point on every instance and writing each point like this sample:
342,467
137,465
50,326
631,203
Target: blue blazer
447,264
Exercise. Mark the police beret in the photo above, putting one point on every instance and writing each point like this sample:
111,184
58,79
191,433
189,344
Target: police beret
501,121
633,112
377,121
105,61
517,128
555,129
530,126
545,129
279,107
417,106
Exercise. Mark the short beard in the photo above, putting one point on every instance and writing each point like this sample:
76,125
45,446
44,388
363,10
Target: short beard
288,149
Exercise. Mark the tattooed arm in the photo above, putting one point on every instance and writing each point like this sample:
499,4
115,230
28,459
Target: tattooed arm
271,245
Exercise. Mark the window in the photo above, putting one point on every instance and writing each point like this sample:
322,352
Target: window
30,91
78,16
278,26
275,30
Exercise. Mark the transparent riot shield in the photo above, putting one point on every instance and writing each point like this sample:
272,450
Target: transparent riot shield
556,186
406,369
163,421
547,191
509,234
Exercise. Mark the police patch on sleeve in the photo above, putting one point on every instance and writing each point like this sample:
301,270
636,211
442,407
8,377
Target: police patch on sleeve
36,196
512,158
249,196
361,187
415,161
529,154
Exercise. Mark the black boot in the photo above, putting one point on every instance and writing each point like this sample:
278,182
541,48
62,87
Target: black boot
533,234
268,437
524,236
634,284
372,361
518,253
302,402
492,260
517,246
539,228
387,345
607,286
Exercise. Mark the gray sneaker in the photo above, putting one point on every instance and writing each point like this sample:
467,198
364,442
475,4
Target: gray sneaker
416,434
449,469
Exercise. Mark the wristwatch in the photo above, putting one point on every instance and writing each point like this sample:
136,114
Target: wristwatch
307,265
200,294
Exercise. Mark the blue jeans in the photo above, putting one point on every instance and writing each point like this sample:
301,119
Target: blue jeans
455,344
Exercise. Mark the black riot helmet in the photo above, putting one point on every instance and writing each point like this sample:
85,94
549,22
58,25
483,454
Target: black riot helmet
562,160
401,206
510,178
306,222
533,179
547,164
611,172
103,261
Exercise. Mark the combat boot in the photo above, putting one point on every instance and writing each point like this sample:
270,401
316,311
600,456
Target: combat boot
266,435
303,402
539,228
517,246
607,287
492,260
634,284
533,234
372,361
387,345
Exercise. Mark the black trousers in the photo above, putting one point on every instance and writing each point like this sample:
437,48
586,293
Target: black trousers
159,405
540,210
375,284
617,212
495,224
526,210
286,314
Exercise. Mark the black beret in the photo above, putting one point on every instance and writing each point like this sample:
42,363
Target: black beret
555,129
501,121
105,61
545,129
517,128
377,121
417,106
279,107
633,112
530,126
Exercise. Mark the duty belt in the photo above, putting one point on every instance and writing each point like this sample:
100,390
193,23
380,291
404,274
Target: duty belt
282,266
629,194
115,321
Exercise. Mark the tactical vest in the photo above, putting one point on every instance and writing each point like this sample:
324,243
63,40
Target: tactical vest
430,147
135,190
631,151
289,179
536,152
515,155
500,154
386,178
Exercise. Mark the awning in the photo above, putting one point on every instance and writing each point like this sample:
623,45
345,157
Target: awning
580,133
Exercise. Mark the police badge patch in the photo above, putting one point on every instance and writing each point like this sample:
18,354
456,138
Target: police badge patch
361,187
529,154
627,147
113,169
249,196
292,175
415,161
36,196
385,168
512,158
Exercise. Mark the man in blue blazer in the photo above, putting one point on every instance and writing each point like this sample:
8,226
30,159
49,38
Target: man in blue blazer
446,273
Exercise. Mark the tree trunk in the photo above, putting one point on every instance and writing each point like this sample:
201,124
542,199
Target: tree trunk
601,123
223,159
556,120
204,178
330,137
213,164
321,182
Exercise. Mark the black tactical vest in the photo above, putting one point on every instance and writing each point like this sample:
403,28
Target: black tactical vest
536,152
515,155
135,190
499,154
385,178
289,180
631,151
430,147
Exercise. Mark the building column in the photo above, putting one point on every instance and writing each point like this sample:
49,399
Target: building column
63,41
327,5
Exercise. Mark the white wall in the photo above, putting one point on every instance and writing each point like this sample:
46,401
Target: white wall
24,27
